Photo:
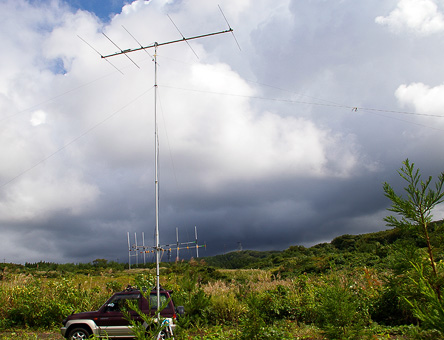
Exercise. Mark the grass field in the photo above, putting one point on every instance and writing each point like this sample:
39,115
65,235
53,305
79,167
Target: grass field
220,303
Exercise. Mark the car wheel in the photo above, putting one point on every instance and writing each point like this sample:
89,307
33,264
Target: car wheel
79,333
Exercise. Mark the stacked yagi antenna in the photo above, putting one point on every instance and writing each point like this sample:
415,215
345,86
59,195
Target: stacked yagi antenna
157,247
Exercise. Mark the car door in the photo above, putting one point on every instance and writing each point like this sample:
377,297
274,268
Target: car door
113,322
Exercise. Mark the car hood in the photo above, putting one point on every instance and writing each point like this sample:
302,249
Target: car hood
83,315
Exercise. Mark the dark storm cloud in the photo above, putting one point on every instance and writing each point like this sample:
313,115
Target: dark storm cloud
260,147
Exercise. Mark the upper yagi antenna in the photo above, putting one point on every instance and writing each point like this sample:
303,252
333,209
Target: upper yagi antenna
156,44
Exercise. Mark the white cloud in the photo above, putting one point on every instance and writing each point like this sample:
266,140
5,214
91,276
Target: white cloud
38,117
36,199
420,16
423,98
236,142
35,189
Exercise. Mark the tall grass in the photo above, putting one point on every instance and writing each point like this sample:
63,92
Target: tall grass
29,301
247,304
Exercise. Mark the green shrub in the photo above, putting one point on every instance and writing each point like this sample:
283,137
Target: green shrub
429,306
32,306
340,310
257,323
305,292
225,308
114,286
146,281
188,292
273,304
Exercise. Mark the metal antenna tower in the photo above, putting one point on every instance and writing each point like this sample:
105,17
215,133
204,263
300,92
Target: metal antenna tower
157,246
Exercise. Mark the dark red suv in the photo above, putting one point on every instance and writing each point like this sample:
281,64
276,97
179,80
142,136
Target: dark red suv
109,321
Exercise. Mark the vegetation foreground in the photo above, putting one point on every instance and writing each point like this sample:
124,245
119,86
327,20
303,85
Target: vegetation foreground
220,304
385,285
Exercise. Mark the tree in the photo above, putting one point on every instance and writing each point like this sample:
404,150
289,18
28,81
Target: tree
416,208
100,263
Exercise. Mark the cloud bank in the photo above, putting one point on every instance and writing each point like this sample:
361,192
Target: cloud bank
422,17
284,142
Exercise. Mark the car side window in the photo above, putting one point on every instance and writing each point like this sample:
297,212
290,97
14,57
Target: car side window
121,303
153,300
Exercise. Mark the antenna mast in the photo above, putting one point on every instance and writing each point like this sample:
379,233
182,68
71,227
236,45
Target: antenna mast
157,247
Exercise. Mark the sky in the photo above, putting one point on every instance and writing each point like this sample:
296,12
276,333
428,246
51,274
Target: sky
280,134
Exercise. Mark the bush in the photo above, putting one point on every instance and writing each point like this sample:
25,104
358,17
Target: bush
260,322
305,299
340,311
273,304
429,307
225,308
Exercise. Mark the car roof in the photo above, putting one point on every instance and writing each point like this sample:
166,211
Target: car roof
129,289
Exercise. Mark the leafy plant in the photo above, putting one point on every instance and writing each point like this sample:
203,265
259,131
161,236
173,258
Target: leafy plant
421,281
416,209
226,308
144,281
196,303
340,313
256,324
429,308
150,326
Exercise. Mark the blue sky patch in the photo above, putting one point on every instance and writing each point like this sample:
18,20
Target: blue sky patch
104,9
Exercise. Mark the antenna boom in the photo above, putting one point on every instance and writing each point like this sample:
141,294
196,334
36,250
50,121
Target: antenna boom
165,43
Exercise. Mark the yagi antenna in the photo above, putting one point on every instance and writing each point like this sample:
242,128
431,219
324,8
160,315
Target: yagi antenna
98,53
165,43
183,37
